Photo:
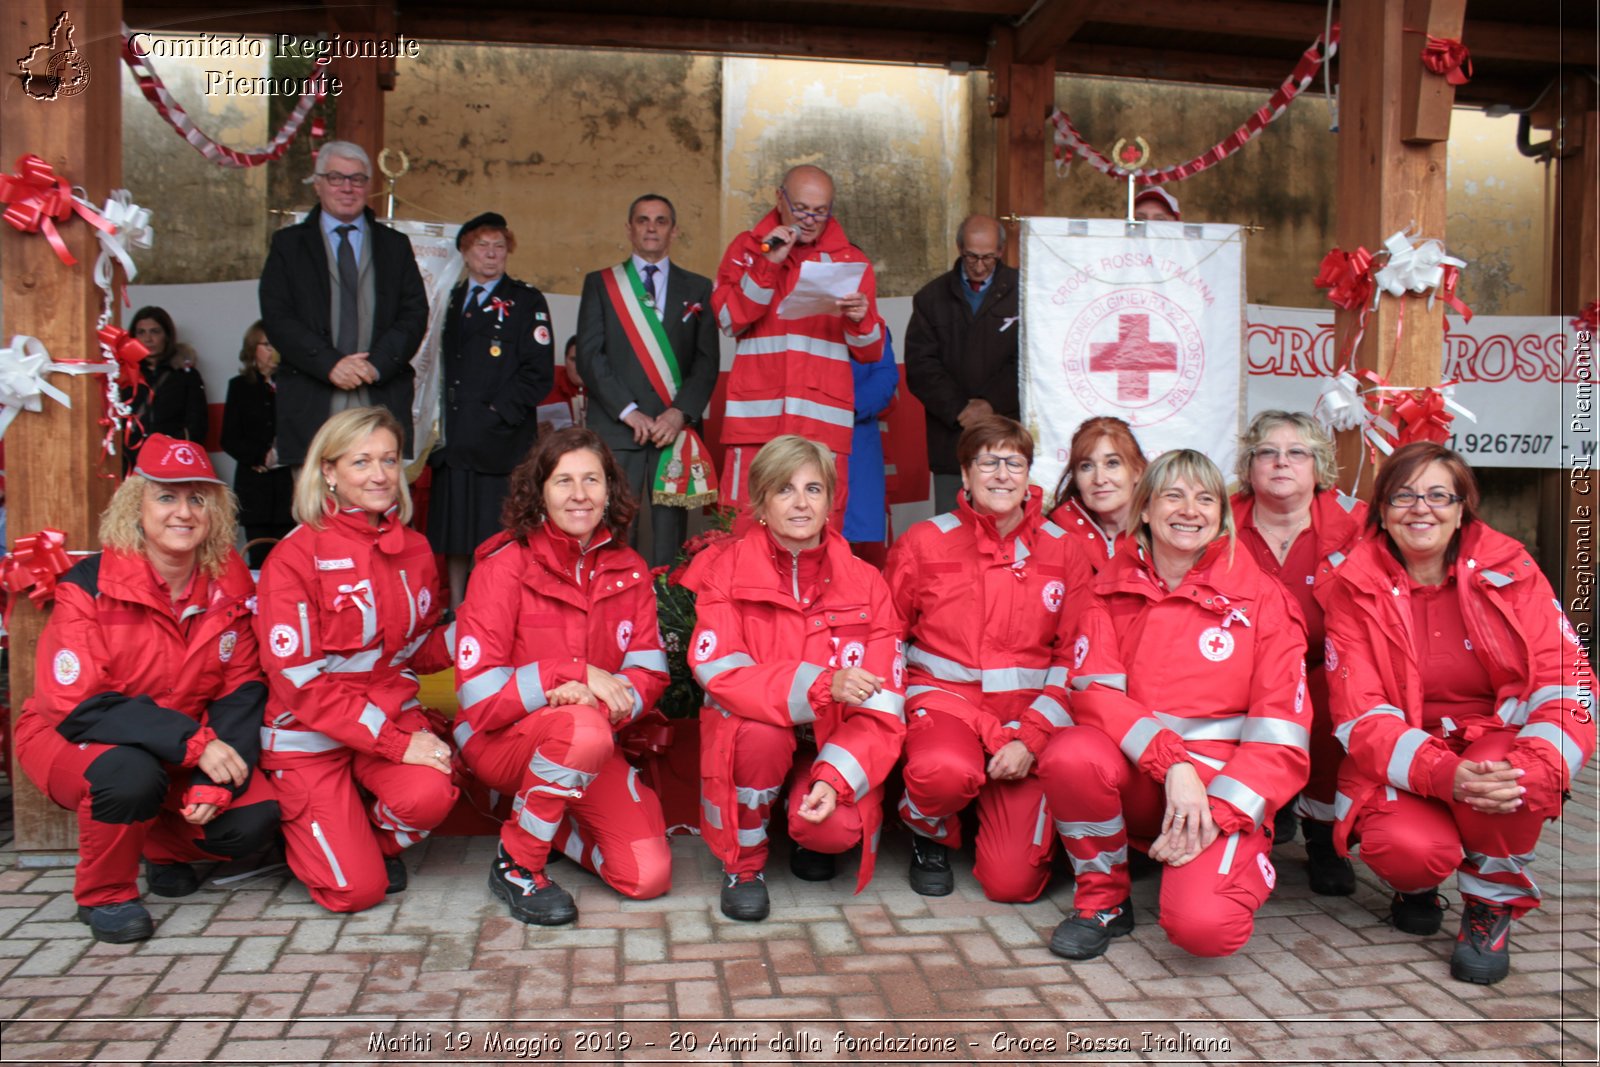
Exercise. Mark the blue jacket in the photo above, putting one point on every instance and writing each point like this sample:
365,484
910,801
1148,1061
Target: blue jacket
864,512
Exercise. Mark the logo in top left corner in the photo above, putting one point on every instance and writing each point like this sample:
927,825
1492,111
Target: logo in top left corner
54,68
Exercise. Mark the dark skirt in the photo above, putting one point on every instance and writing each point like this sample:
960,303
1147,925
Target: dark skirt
464,509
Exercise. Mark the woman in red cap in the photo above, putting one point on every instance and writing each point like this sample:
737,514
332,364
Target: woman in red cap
559,653
348,614
1104,462
146,710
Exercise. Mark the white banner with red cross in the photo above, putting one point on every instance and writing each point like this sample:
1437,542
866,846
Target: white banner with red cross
1143,321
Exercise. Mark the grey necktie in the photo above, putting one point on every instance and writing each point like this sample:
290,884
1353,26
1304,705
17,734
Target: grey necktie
650,272
349,292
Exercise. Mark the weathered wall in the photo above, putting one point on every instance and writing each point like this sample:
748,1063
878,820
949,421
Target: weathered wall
559,142
210,222
893,138
1497,210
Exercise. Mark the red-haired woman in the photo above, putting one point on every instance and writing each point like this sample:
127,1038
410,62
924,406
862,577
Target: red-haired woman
558,652
1104,463
1464,699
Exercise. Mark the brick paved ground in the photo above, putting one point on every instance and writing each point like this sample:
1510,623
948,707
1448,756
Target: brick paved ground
258,974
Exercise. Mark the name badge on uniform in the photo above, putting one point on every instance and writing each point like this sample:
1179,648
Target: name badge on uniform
336,564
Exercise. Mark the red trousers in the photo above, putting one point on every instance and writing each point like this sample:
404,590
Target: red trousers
576,793
1414,843
345,811
763,763
1100,800
129,804
945,770
734,487
1316,797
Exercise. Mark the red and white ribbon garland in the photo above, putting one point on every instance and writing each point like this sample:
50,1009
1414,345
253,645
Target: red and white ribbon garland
156,92
1068,141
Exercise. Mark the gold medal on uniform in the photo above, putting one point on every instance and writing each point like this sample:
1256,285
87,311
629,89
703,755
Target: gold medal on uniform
494,350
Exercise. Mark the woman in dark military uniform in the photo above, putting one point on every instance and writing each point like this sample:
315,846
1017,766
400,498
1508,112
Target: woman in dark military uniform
498,363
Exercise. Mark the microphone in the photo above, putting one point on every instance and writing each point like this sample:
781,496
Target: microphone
774,241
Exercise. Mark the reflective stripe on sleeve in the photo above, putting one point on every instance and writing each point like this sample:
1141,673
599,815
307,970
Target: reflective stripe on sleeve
1276,732
1405,750
356,663
1051,710
888,702
800,709
704,672
862,340
530,688
373,718
1201,728
1138,738
848,767
1343,730
305,672
481,687
754,292
1119,682
1552,734
1241,796
650,660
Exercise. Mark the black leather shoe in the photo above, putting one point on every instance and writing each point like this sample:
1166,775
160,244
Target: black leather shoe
1331,874
1417,913
1087,934
1283,824
744,896
1483,947
930,868
170,879
810,866
117,924
532,897
395,868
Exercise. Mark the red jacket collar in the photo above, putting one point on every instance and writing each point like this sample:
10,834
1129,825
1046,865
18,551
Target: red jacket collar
1486,556
984,526
1214,582
128,576
388,536
1334,528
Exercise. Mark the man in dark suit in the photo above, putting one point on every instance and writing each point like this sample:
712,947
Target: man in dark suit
961,348
647,350
498,362
343,303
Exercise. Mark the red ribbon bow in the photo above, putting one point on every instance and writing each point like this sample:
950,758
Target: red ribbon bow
1347,276
1447,290
1421,416
1446,55
499,307
648,736
692,310
1588,319
38,560
37,199
129,354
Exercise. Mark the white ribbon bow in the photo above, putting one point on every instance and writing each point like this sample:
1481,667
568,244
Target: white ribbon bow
132,224
1339,406
22,386
1414,268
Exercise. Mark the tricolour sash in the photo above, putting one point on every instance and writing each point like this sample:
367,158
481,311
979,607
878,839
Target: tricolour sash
685,477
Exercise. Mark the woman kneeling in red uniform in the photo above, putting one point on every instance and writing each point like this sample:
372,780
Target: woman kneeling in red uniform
1189,691
1464,699
348,614
559,652
794,635
148,697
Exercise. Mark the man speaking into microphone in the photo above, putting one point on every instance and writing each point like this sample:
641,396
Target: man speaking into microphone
792,375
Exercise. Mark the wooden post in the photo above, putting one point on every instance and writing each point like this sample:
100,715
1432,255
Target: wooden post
359,107
55,464
1021,97
1386,184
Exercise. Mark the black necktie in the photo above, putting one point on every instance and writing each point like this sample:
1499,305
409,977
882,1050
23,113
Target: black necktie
475,299
349,293
650,283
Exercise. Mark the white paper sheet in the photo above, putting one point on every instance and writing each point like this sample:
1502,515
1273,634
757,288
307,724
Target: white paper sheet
820,288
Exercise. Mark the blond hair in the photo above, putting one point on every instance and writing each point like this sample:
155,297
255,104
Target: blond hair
1312,432
778,461
337,436
1194,467
121,527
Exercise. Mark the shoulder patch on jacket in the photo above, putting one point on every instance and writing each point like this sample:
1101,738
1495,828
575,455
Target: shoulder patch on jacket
946,522
1052,529
85,574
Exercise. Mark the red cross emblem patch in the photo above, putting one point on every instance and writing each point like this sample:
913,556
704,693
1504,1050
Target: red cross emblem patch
1216,644
283,640
1053,593
705,645
853,654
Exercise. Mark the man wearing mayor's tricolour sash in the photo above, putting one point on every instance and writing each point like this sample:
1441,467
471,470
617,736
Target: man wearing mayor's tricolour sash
647,350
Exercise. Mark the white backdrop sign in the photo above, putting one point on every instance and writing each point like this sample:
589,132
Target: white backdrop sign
1141,321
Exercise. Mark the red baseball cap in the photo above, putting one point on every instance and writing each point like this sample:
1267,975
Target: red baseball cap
167,459
1156,193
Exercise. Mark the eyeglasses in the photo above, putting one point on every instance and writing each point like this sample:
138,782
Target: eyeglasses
1295,455
1434,498
988,463
988,260
804,211
341,181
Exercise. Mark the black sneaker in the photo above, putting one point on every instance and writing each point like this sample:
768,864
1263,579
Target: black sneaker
532,898
744,896
811,866
1483,947
1331,874
1087,934
930,868
1417,913
119,923
1284,823
395,868
170,879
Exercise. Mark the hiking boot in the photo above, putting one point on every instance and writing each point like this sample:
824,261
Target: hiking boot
119,923
1331,874
810,866
1483,947
744,896
1417,913
1087,934
170,879
395,868
532,897
930,868
1284,823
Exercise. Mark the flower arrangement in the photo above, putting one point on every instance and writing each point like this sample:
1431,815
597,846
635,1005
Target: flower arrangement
676,615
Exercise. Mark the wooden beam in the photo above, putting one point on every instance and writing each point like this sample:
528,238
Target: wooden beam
1384,185
1023,96
1049,28
58,474
1427,97
358,112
